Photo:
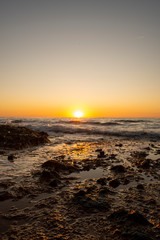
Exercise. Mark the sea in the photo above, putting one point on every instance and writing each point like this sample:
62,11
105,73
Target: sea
91,128
73,138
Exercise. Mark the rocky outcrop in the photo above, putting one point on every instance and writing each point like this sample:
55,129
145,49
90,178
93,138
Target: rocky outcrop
15,137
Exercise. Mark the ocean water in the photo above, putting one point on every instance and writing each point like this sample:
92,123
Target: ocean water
75,140
91,127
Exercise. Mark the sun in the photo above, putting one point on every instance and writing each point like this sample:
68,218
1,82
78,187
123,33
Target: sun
78,114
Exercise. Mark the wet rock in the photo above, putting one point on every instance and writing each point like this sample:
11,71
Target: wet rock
138,218
101,154
126,181
158,152
135,217
87,167
16,121
15,137
136,235
4,195
58,166
89,203
90,188
98,150
101,181
11,157
140,187
86,200
118,169
119,215
139,155
145,163
80,193
54,183
46,175
151,201
112,156
105,191
6,184
114,183
119,145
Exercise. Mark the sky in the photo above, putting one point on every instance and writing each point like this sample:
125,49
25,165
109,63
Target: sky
98,56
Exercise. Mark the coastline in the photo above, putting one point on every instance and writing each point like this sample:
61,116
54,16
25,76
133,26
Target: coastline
103,189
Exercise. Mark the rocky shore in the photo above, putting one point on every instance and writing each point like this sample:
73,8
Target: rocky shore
113,194
14,137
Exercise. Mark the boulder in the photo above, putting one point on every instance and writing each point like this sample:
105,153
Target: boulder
114,183
15,137
53,165
118,169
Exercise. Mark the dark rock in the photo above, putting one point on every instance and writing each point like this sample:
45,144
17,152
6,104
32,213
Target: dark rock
112,156
4,195
151,201
145,163
54,183
89,203
47,175
80,193
98,150
124,216
139,155
81,197
126,181
119,215
119,145
101,154
135,235
147,148
158,151
101,181
86,168
58,166
91,188
16,121
140,186
138,218
114,183
105,191
11,157
14,137
2,152
118,169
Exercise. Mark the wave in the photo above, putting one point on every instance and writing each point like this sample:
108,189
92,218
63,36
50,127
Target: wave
67,130
132,121
87,122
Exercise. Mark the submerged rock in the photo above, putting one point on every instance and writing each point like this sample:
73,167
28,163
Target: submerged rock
14,137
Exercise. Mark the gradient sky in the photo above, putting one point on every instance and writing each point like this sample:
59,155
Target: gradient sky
100,56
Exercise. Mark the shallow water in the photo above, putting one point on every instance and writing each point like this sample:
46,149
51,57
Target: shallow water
75,140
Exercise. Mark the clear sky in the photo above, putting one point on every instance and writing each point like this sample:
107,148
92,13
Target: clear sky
99,56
